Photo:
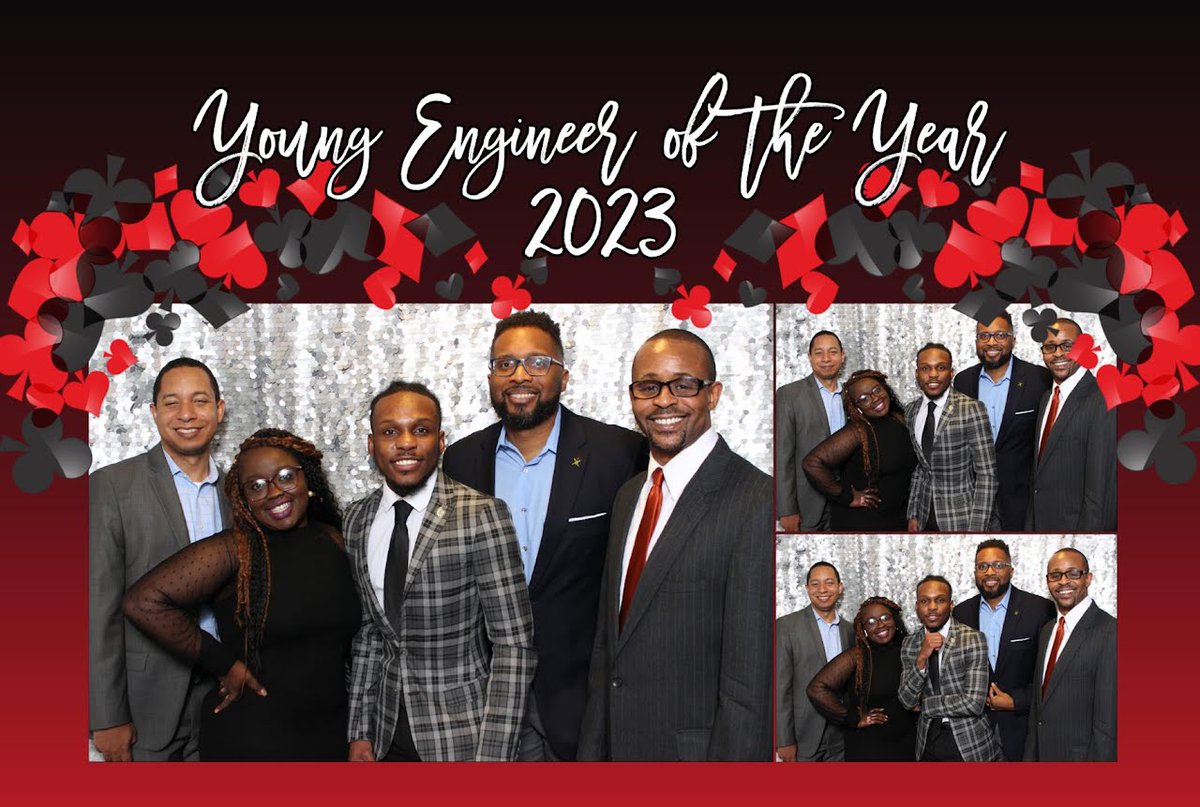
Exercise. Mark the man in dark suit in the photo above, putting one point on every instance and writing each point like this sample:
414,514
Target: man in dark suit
143,703
805,641
806,412
442,664
681,668
1010,390
559,473
1074,486
1074,714
1010,620
954,483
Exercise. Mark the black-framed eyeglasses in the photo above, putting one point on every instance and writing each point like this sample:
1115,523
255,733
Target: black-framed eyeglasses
1050,350
285,479
534,365
997,565
682,387
882,619
988,336
1072,574
870,395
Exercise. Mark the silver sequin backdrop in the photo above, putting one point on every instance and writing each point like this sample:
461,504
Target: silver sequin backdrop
313,369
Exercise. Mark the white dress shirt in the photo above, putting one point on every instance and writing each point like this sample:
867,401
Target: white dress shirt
1072,619
1064,391
923,413
379,539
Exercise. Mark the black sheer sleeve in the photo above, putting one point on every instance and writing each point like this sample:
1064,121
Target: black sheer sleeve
823,463
826,689
164,603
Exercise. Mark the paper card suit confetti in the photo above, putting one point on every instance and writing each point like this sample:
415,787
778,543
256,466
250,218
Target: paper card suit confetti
380,286
55,236
1002,219
87,393
288,288
914,239
965,257
1178,228
21,237
162,328
451,288
665,280
32,288
45,454
166,181
260,189
402,249
1072,195
151,234
127,200
310,190
440,230
121,358
1038,322
197,223
798,254
692,305
77,330
822,290
1163,445
751,296
1024,273
758,236
1168,279
1047,229
1085,351
285,236
218,306
983,189
1175,348
982,304
1161,389
875,184
345,231
1083,288
1145,228
29,357
937,190
724,265
854,236
537,271
1129,271
1122,324
1032,177
476,257
118,292
914,288
1117,387
509,296
40,396
234,258
178,275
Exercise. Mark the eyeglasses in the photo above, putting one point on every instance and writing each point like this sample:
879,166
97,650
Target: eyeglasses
998,565
867,397
534,365
1073,574
882,619
683,387
284,479
1050,350
988,336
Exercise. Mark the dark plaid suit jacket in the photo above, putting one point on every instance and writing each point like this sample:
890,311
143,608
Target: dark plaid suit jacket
463,656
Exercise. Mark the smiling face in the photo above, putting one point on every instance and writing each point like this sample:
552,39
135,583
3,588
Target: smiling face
933,604
824,589
995,352
279,509
1057,362
1065,592
523,401
879,622
826,357
406,440
187,412
934,370
992,584
672,424
871,397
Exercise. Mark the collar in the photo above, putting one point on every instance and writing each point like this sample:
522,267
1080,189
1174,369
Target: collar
175,470
837,618
825,390
1075,614
683,466
940,400
944,630
418,499
551,446
983,373
1003,602
1066,387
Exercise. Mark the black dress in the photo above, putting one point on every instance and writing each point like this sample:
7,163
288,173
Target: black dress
312,616
833,692
836,465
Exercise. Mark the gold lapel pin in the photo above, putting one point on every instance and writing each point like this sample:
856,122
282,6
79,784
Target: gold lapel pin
577,462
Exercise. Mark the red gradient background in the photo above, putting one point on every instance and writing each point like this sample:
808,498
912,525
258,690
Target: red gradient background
78,88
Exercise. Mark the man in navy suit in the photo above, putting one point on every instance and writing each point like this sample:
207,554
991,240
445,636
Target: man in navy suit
1010,620
1011,390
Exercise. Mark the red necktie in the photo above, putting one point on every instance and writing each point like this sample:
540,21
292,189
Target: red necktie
641,543
1049,422
1058,637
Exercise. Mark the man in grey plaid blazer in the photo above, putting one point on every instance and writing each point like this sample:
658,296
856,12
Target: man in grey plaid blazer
955,482
944,672
442,664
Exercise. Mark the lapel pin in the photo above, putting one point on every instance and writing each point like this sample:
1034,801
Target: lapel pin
577,462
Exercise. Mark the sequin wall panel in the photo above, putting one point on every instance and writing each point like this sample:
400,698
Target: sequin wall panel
891,565
313,369
886,337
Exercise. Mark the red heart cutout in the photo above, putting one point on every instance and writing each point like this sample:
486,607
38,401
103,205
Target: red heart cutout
964,257
1084,351
380,286
821,290
1002,220
235,258
1160,389
936,189
88,394
261,190
1146,228
196,223
44,397
1117,388
122,357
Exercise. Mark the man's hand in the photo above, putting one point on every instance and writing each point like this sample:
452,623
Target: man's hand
913,526
233,682
787,753
999,700
360,751
790,523
933,641
115,742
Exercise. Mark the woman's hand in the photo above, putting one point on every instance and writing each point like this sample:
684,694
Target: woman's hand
864,498
874,717
232,684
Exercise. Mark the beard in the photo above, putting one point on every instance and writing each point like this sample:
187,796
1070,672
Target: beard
1000,592
542,411
407,490
1005,358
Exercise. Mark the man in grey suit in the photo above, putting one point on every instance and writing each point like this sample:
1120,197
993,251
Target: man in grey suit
444,659
944,672
681,668
1074,713
805,641
1074,475
143,703
806,412
954,484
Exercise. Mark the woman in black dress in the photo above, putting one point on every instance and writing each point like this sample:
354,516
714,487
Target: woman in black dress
858,689
865,467
280,586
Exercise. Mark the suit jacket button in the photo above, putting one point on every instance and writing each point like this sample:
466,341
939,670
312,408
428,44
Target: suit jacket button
617,682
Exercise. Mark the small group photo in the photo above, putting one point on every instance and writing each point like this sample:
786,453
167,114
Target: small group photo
918,418
947,648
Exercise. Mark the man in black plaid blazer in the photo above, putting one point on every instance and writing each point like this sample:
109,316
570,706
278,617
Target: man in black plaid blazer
442,665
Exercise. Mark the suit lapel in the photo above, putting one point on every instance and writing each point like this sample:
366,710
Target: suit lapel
431,528
358,536
1067,413
1067,654
485,469
1012,621
1016,386
564,488
910,420
815,400
168,497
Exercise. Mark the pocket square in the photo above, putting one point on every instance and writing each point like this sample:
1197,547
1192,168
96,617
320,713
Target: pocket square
1026,639
586,518
1024,412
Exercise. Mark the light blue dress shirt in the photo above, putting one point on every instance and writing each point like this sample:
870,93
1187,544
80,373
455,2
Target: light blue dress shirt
202,513
991,624
994,395
525,488
830,635
834,410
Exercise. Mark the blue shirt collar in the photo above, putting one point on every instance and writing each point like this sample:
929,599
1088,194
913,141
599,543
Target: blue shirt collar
211,479
983,373
1003,602
837,618
551,446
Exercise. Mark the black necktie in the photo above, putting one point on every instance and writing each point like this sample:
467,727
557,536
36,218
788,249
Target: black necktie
396,570
927,432
935,675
